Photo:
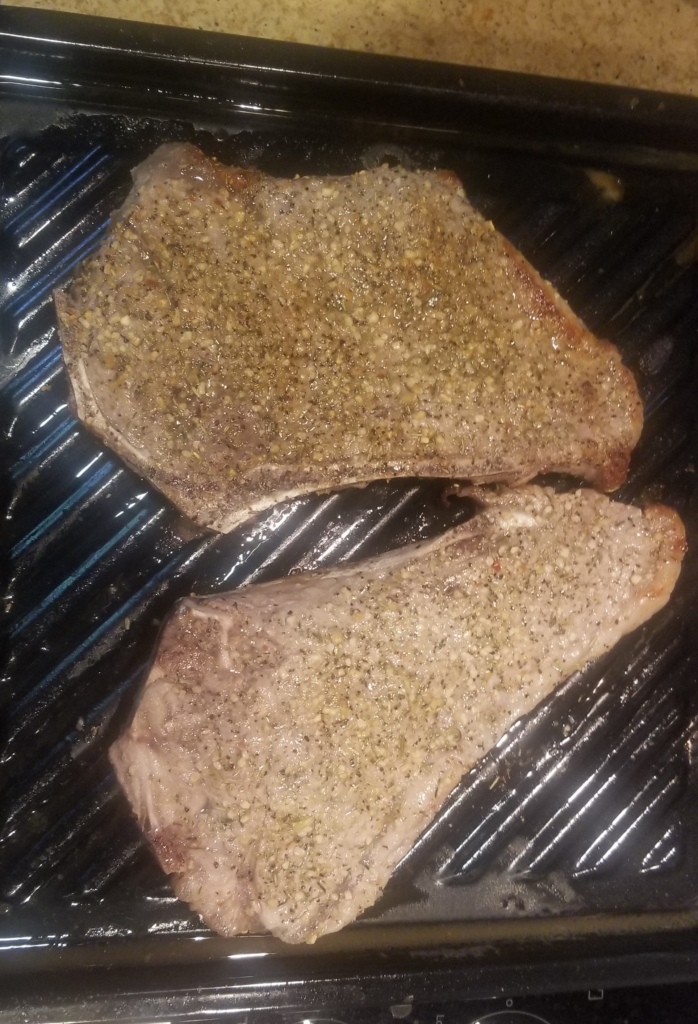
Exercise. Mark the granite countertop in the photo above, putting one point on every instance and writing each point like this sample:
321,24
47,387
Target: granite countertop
649,44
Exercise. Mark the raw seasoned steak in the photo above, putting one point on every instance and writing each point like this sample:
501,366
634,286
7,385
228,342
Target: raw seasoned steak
294,738
240,338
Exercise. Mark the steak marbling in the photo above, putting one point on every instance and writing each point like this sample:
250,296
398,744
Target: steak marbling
294,738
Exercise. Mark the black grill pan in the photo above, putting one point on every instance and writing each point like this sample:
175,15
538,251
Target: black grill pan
582,821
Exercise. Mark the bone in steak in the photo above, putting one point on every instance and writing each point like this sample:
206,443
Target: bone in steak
239,338
294,738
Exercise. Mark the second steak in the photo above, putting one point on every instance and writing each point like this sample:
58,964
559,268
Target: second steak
294,738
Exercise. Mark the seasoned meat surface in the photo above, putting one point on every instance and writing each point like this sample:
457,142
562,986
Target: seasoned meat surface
239,338
294,738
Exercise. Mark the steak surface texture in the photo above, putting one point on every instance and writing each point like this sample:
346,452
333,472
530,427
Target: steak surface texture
240,338
293,739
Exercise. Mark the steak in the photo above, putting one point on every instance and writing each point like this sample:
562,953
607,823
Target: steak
294,738
240,338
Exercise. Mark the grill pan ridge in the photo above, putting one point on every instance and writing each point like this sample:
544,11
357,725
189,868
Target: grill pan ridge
586,807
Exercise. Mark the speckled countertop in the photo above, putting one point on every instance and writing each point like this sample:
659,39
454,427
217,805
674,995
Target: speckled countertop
641,43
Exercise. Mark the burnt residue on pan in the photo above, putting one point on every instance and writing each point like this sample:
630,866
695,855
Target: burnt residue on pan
588,806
